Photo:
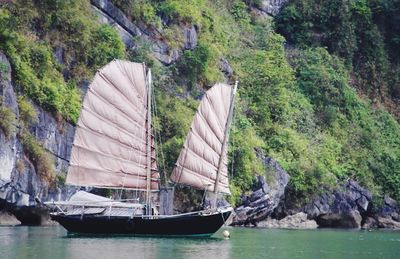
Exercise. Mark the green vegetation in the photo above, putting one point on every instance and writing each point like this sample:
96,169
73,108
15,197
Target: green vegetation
324,106
109,47
139,11
26,111
302,110
67,26
31,32
42,160
7,121
365,33
173,123
194,63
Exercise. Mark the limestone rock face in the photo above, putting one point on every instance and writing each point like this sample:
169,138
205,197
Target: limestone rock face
127,30
296,221
387,222
342,208
271,7
264,198
347,219
8,146
226,67
20,184
6,90
388,216
108,13
56,137
190,37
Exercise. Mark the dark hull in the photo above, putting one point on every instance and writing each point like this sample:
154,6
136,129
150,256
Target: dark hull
192,224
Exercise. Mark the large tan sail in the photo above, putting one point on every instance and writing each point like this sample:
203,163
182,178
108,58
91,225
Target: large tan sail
198,161
110,143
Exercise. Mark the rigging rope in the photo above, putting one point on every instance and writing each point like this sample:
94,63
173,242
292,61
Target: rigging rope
158,140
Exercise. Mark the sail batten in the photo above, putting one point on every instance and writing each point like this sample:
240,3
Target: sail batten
206,180
111,141
202,161
135,115
133,103
207,138
114,125
105,139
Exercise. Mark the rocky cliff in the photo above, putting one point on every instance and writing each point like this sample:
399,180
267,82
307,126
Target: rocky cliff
348,205
21,186
127,30
20,183
265,198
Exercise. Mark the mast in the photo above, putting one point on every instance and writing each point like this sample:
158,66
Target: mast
148,150
224,143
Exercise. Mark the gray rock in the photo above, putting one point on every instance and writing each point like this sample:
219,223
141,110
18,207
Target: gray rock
296,221
84,87
9,147
271,7
258,194
20,184
387,222
225,68
350,219
32,215
111,11
390,208
127,30
280,176
370,222
387,216
57,137
190,37
7,218
265,198
6,90
59,55
342,208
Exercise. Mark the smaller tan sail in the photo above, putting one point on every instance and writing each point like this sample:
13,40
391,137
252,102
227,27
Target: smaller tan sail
111,141
200,159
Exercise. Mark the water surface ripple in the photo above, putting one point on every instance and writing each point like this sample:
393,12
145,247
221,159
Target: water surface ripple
54,242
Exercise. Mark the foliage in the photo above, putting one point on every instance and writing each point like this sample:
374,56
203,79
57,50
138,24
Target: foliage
108,47
139,11
297,102
68,26
27,112
244,163
173,35
323,79
7,121
173,123
189,11
42,161
363,32
303,113
239,13
194,63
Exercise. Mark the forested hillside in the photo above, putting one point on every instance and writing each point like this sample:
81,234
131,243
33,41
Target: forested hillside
319,84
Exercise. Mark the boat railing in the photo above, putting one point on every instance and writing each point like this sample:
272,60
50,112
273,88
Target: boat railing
201,212
116,203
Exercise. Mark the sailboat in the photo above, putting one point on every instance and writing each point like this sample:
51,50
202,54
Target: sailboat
114,147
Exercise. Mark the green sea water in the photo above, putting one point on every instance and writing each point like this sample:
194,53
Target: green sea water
54,242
